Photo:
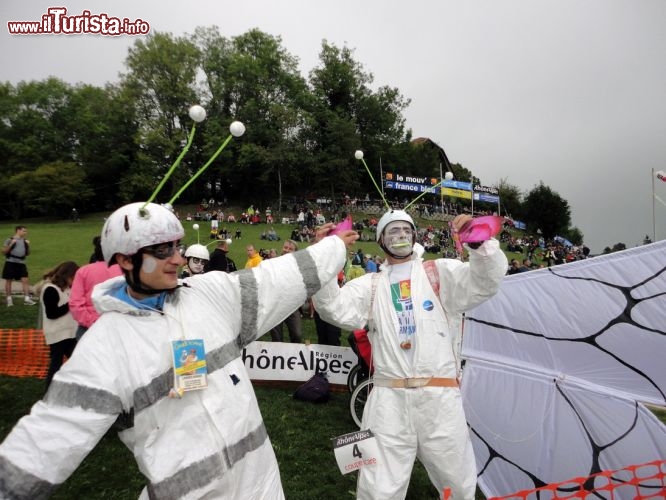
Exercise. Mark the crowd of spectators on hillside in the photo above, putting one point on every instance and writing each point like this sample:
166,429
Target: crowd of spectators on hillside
310,212
551,252
304,216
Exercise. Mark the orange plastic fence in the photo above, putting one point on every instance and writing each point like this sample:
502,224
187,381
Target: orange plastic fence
638,482
23,353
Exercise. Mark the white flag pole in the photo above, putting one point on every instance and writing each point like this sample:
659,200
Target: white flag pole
441,186
471,184
654,227
381,177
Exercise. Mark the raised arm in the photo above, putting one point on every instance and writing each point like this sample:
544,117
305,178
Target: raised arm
466,285
273,290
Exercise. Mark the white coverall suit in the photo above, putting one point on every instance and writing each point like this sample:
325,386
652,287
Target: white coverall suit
426,422
210,444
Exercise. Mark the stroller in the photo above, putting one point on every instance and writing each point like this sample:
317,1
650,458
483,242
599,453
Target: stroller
359,382
358,341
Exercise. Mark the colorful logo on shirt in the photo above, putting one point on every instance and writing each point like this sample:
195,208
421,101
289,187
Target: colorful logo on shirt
401,293
428,305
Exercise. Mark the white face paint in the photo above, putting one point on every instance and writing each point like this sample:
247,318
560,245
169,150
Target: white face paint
195,265
398,236
149,264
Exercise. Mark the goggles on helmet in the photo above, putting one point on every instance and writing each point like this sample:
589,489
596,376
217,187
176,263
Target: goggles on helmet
163,251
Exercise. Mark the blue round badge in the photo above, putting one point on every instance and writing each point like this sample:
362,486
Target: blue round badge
428,305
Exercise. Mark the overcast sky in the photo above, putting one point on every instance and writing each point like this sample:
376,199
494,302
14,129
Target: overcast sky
568,92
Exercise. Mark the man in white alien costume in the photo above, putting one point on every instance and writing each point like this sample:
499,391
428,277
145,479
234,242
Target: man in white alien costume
415,407
207,441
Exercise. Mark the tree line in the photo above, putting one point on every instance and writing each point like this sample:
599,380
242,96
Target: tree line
93,148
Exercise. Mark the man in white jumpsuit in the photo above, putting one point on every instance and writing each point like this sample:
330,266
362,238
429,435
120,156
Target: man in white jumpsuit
415,408
206,443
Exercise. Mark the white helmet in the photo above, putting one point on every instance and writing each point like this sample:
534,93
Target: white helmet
132,227
392,216
198,251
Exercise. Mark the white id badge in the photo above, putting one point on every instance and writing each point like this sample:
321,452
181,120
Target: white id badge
355,450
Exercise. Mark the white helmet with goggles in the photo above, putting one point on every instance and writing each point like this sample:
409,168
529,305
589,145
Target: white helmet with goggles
198,251
396,234
135,226
392,216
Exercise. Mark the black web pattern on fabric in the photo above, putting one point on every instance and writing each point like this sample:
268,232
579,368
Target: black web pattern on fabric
593,339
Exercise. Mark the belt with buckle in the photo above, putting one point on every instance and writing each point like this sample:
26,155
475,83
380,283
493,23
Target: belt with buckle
413,383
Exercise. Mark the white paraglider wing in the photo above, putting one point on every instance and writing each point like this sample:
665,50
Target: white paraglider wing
558,366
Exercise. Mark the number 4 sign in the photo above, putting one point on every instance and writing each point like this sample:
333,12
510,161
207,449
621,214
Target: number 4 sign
355,450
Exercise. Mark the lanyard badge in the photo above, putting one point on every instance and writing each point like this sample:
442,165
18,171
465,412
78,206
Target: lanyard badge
189,366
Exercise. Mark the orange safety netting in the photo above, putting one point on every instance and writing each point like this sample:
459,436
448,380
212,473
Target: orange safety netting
23,353
638,482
